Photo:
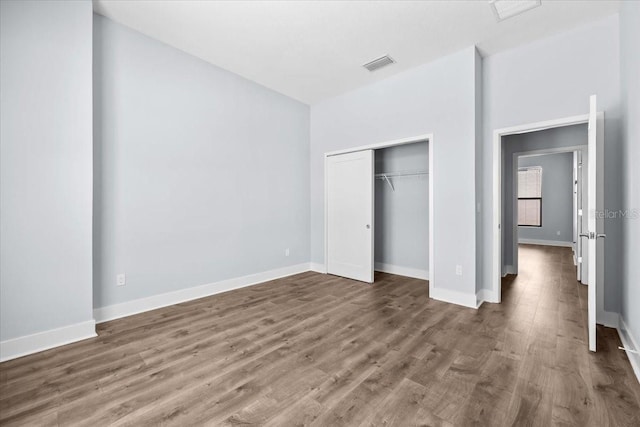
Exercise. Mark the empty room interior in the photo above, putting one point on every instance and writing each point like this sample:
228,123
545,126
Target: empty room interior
327,213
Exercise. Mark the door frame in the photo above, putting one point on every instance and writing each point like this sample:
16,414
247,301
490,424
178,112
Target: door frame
496,252
377,146
514,176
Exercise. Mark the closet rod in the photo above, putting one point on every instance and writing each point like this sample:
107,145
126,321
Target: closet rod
398,174
386,176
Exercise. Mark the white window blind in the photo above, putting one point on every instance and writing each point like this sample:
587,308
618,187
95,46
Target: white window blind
530,196
530,182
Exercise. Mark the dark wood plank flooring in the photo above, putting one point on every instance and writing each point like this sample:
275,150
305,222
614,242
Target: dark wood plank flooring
320,350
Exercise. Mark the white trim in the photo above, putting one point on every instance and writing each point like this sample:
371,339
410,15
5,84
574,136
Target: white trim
432,228
141,305
544,125
545,242
610,319
508,269
402,271
497,185
317,267
629,342
454,297
29,344
485,295
384,268
403,141
326,215
384,144
514,176
551,150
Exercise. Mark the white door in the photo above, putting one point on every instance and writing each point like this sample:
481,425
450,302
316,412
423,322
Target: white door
578,179
350,192
594,202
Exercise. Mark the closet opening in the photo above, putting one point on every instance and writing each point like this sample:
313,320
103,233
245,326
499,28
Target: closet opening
401,231
379,210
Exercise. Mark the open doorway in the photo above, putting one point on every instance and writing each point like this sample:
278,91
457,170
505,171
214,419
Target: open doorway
544,194
544,203
503,234
548,208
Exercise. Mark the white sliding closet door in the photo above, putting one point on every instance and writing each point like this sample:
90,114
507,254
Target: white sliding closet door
350,205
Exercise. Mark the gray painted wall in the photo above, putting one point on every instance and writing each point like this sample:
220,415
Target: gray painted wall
201,175
550,79
568,136
437,97
630,70
557,197
46,171
402,216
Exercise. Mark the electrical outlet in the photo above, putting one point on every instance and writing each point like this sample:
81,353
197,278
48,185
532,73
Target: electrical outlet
286,252
459,270
121,279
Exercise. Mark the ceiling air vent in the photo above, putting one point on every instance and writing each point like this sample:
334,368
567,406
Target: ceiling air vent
378,63
504,9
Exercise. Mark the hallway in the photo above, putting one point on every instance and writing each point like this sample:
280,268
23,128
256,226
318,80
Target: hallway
547,305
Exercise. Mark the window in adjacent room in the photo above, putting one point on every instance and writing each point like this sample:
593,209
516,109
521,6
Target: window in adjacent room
530,196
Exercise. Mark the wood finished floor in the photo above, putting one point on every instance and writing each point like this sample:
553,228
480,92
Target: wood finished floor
320,350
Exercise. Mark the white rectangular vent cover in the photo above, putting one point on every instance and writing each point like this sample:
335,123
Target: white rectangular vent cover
378,63
504,9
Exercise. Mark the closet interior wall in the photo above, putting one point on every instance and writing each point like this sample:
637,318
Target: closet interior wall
402,209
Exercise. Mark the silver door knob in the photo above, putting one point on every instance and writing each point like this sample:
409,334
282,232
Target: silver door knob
603,236
368,226
584,235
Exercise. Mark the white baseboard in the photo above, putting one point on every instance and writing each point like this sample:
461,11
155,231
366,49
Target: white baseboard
29,344
508,269
480,297
629,342
382,267
610,319
141,305
485,295
317,267
454,297
546,242
402,271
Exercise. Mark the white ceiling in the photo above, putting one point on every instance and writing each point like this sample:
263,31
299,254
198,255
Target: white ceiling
313,50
